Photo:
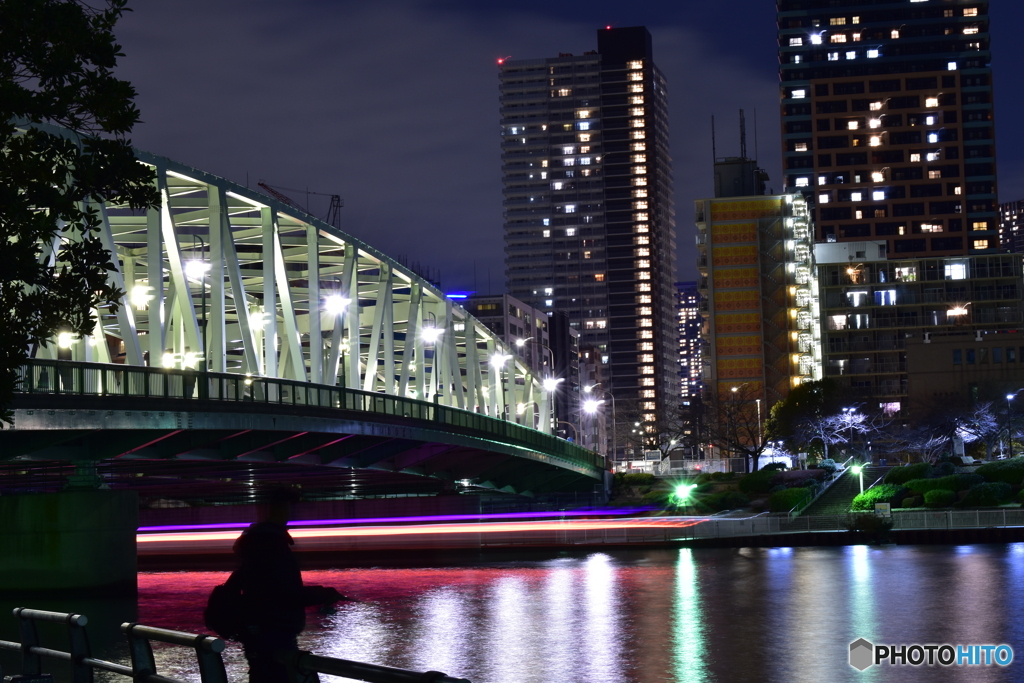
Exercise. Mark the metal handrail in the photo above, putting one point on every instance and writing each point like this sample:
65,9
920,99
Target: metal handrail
43,376
304,662
208,653
825,486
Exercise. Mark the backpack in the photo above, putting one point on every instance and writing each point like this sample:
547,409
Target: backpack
225,611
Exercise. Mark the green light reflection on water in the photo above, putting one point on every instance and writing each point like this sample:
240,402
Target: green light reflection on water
861,599
689,623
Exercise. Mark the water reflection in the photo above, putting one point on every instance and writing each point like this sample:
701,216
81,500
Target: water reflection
641,616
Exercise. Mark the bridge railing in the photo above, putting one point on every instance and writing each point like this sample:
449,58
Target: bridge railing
143,669
41,376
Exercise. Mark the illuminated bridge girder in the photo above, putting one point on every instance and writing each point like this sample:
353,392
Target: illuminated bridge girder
285,295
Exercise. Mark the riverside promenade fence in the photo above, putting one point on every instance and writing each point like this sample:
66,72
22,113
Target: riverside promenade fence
208,651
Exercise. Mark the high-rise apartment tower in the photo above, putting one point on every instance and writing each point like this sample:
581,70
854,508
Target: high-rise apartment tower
589,227
887,122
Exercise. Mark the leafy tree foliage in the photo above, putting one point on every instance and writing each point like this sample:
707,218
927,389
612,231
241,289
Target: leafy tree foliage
56,67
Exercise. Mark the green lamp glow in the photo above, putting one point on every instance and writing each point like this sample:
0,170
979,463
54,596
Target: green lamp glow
683,491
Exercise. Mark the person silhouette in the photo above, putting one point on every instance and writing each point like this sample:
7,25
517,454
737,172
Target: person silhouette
273,595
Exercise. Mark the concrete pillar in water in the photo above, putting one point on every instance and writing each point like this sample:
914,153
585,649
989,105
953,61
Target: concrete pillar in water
72,540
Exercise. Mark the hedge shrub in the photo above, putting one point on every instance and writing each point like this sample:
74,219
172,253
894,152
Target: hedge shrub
787,499
912,502
1020,497
638,479
901,475
1010,471
988,495
722,476
777,466
939,498
883,493
967,480
828,464
726,500
758,482
943,469
925,485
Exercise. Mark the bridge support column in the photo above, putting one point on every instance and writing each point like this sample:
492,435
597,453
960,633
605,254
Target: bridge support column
73,540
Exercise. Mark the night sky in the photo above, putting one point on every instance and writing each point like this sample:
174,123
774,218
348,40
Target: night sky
394,105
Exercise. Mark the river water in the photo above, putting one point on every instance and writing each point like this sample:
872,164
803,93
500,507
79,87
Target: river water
780,614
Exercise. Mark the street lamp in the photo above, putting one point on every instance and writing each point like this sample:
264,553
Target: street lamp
609,395
498,361
1009,432
859,471
550,385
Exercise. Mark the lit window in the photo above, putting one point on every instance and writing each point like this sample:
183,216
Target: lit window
636,123
878,195
800,147
855,20
643,263
583,125
641,228
646,381
969,30
838,38
637,146
837,21
929,120
564,92
933,137
639,182
569,232
823,198
586,254
640,193
639,170
874,123
877,177
796,42
931,101
932,156
873,54
934,174
643,287
802,181
546,233
797,59
856,37
858,214
557,185
931,227
570,208
979,225
568,150
637,134
816,39
636,76
646,369
636,111
599,277
549,291
951,66
640,205
856,196
635,87
645,310
583,113
639,158
875,141
915,156
895,34
798,94
981,244
643,275
634,64
852,125
970,11
957,190
875,106
833,56
548,302
568,162
823,180
584,161
640,217
852,54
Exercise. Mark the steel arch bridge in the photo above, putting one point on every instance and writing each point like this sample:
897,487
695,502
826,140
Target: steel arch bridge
245,290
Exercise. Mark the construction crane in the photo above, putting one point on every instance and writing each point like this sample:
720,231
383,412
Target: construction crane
333,216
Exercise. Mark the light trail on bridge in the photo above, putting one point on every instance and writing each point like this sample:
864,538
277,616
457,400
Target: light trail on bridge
543,532
412,519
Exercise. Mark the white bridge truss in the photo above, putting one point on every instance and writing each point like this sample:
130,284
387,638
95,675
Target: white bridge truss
286,295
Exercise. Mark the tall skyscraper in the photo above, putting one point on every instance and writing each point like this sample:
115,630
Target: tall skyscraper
589,226
1011,226
887,122
690,322
887,127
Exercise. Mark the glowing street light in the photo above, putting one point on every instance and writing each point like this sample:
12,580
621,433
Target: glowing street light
683,493
859,471
551,383
336,304
432,334
498,360
195,270
65,340
140,297
590,406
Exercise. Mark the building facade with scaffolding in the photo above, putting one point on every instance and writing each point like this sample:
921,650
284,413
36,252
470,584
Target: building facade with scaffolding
759,296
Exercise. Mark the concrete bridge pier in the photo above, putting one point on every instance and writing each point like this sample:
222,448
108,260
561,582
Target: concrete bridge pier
81,539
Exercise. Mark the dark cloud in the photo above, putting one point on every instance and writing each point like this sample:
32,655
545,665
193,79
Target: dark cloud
394,105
